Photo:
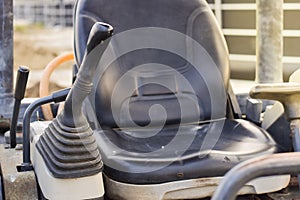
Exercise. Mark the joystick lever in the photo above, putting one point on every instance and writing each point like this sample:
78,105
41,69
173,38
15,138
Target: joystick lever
22,78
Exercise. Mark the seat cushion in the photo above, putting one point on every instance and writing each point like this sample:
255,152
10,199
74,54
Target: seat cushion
150,156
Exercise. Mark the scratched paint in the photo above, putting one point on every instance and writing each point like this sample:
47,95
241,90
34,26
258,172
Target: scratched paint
6,58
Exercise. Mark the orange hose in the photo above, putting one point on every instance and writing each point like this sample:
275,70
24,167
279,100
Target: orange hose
45,79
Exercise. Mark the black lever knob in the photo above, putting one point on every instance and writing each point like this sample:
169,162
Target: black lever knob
98,34
97,43
22,78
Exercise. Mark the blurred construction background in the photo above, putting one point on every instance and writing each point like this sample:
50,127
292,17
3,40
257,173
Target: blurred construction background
51,33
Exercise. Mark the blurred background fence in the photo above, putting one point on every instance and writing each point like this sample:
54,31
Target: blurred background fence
47,12
237,19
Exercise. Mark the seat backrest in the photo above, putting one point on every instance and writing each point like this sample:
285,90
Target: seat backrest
156,44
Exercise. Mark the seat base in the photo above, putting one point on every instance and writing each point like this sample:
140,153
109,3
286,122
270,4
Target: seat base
188,189
191,152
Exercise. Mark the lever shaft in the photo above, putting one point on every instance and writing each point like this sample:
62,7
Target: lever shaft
22,77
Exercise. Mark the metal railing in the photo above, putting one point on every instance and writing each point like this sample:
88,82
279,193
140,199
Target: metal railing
291,36
47,12
236,19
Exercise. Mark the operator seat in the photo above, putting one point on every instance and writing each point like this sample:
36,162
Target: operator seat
160,107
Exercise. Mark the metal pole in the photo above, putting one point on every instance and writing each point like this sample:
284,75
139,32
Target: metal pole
6,62
218,12
237,177
269,41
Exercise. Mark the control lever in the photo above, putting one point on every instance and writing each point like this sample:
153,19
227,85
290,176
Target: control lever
70,128
289,95
96,45
22,78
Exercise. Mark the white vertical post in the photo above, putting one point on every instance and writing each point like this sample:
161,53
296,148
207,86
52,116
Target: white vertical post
218,11
269,41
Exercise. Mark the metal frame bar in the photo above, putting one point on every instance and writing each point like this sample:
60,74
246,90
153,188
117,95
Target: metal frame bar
252,32
251,6
237,177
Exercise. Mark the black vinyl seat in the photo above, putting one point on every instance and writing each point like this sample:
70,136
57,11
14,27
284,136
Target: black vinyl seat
163,114
143,161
